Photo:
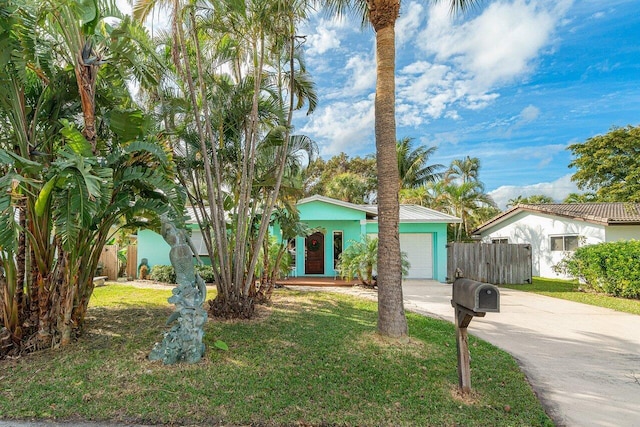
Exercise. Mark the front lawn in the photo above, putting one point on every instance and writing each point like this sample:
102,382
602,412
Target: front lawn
309,359
570,290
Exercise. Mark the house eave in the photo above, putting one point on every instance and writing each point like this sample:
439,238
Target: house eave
542,210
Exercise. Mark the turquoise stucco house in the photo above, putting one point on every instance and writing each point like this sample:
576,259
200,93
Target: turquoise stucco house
423,237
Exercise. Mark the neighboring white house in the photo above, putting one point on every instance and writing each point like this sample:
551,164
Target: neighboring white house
554,230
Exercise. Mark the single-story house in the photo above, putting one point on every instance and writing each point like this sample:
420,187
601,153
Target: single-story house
423,237
555,230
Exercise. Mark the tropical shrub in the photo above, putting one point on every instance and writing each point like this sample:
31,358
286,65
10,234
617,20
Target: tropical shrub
612,268
78,160
360,259
206,272
163,273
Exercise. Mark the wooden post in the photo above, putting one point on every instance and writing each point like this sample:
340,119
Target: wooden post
463,317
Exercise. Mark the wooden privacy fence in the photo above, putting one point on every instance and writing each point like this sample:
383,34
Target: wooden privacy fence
497,263
109,262
111,265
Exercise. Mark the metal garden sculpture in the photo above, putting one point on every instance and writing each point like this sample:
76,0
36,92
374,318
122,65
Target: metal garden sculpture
183,342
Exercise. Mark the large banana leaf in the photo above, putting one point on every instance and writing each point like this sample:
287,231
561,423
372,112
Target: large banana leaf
8,225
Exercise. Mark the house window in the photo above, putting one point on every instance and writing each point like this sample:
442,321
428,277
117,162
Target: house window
500,240
337,248
291,248
564,243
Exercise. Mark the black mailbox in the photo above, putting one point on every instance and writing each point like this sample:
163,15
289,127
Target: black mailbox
476,296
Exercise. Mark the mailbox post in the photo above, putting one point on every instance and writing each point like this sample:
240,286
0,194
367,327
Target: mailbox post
470,298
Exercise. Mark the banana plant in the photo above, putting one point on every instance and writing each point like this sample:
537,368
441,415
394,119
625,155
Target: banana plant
64,190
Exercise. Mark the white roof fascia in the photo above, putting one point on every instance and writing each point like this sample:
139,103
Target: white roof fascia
316,197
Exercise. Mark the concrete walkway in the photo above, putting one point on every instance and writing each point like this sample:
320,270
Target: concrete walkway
582,361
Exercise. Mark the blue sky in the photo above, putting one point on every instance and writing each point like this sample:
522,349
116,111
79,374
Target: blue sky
510,82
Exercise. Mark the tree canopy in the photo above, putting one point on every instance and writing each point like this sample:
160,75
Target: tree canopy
609,165
530,200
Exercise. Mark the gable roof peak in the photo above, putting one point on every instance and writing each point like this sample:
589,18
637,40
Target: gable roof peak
408,213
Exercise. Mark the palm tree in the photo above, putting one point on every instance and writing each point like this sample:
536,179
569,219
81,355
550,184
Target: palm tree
360,259
529,200
463,170
461,200
412,164
382,15
580,198
417,196
240,67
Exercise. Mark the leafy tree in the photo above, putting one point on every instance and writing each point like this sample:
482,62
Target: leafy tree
412,164
321,177
347,186
382,16
580,198
609,165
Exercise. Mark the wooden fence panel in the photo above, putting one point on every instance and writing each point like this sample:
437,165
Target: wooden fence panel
109,260
496,263
132,262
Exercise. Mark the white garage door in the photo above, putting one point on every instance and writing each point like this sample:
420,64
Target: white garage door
419,250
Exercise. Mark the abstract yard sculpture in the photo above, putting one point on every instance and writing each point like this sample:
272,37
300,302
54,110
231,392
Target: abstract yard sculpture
184,341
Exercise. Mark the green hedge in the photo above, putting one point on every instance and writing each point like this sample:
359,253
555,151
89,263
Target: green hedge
613,268
206,272
163,273
166,273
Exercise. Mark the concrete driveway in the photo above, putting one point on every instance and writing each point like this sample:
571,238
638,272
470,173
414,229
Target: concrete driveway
582,361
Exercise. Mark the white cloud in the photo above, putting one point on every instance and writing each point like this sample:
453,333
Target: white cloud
529,114
473,59
342,126
558,190
363,78
430,87
323,39
407,25
409,115
498,45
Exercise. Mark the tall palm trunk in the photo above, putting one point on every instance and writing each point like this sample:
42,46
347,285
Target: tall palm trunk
86,76
391,318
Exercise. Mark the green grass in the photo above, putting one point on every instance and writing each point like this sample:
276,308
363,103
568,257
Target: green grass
570,290
308,359
115,295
